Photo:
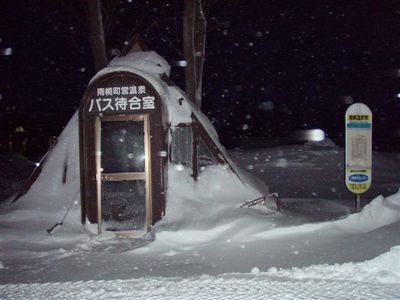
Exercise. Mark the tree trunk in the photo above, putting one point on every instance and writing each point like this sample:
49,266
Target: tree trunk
194,37
96,34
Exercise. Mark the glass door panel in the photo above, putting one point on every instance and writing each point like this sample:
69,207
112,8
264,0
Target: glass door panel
124,205
124,194
122,147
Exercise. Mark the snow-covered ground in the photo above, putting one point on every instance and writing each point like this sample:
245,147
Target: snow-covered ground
315,170
314,248
232,286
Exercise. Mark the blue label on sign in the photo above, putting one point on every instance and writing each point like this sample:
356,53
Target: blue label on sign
359,125
358,178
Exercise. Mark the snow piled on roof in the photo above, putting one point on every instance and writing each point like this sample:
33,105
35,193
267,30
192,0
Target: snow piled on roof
151,66
147,61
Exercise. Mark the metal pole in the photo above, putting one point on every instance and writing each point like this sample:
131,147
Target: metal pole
358,202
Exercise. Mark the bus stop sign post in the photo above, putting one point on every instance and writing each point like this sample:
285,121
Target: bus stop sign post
358,150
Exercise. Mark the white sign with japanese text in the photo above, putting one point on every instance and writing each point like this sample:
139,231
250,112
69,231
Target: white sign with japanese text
358,148
121,99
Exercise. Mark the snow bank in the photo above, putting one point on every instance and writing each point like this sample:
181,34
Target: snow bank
200,204
378,213
383,269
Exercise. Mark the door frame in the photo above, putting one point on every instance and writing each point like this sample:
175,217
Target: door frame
124,176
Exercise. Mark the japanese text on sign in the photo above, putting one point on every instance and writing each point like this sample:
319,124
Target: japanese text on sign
124,98
359,117
358,186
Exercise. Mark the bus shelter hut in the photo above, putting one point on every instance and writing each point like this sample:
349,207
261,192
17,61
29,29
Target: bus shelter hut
134,124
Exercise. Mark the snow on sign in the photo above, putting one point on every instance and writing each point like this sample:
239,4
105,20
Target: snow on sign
121,99
358,148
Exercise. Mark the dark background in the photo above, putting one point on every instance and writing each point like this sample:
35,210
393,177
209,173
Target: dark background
271,66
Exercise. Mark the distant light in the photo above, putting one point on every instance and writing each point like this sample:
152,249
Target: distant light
310,135
162,154
179,167
180,63
398,95
37,164
316,135
19,129
6,51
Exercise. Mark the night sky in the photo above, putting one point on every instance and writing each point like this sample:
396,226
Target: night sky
271,66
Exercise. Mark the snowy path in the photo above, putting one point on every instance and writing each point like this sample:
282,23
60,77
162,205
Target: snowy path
203,287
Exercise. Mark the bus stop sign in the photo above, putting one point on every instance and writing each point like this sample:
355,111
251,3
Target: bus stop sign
358,160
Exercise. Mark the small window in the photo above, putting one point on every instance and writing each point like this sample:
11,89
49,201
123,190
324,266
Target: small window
205,157
182,145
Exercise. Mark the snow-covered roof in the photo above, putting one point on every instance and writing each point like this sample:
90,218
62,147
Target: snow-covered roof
147,61
151,66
